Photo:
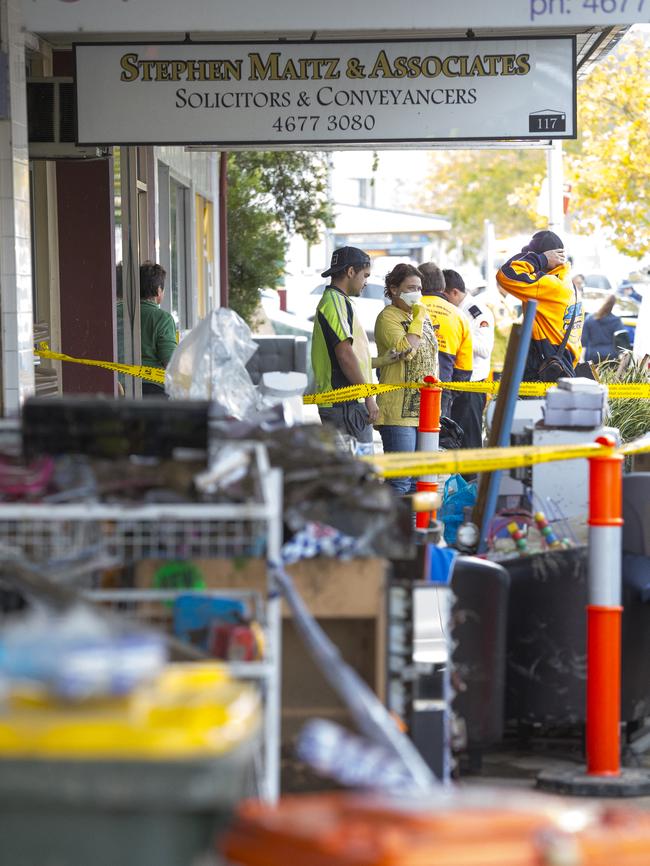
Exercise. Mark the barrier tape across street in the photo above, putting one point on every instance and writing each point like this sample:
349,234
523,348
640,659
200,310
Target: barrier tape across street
151,374
417,463
616,391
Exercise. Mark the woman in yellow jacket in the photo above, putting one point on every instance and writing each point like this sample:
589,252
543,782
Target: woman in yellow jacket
404,327
540,272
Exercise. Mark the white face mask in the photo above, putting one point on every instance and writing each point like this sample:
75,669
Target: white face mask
411,298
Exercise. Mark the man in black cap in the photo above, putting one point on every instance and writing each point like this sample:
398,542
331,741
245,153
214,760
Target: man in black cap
340,352
540,272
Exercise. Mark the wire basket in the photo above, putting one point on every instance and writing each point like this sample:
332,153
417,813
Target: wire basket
127,533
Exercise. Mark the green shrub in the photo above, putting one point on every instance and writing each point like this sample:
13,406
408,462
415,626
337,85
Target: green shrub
632,417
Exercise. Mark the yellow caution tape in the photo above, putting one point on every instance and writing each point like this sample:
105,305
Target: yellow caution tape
629,391
418,463
471,460
637,446
354,392
151,374
620,391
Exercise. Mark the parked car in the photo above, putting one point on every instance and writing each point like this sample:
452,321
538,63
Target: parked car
593,299
599,281
367,307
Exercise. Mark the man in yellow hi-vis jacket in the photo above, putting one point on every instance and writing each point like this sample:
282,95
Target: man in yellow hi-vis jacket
540,272
455,356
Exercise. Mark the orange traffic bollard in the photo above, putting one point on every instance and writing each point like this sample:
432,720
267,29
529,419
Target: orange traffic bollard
428,440
604,612
603,775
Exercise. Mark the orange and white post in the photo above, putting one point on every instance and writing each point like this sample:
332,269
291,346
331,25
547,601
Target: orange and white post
428,440
604,612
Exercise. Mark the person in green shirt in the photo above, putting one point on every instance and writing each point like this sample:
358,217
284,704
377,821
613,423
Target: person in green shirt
340,352
157,327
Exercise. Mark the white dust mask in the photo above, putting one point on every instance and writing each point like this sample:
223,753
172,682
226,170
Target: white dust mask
411,298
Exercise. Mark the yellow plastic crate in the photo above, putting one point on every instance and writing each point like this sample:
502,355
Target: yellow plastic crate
191,710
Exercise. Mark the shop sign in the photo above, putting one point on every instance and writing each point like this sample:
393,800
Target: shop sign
325,94
287,16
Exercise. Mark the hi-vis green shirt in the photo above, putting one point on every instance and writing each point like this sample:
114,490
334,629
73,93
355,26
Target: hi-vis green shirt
335,321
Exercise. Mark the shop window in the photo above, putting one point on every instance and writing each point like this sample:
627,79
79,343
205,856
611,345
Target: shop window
174,235
205,277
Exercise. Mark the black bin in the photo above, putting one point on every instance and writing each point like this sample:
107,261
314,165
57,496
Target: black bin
479,618
546,655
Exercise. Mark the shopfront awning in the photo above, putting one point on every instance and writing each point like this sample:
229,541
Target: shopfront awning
292,18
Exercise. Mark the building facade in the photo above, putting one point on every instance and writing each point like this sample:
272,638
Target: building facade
74,230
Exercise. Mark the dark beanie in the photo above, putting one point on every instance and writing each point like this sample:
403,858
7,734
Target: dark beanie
543,241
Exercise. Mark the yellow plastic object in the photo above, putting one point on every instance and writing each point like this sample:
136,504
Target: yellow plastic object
190,711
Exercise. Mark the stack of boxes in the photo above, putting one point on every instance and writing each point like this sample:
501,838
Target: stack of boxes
575,403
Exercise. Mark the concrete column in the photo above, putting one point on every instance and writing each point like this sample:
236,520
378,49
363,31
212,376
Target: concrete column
16,315
555,188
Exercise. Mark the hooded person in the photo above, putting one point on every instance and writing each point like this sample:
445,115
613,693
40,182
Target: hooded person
540,272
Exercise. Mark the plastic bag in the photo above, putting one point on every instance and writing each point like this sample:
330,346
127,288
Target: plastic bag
458,495
210,364
78,655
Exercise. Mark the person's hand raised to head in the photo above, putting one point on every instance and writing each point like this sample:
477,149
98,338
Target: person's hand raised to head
555,258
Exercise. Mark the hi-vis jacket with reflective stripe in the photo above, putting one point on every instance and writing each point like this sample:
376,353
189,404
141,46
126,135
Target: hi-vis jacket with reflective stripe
526,277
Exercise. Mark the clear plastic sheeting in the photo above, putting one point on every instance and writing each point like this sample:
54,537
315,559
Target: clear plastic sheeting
210,364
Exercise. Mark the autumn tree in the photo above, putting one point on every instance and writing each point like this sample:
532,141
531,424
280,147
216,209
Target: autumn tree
609,165
270,196
469,186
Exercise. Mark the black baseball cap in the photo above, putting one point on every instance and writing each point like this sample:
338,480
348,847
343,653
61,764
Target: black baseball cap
346,257
542,242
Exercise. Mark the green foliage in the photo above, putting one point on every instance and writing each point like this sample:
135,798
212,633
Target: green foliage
632,417
610,167
270,195
471,186
256,244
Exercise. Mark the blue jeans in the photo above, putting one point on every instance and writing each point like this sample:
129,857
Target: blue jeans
394,439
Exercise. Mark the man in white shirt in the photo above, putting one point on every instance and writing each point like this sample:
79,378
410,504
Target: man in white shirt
467,409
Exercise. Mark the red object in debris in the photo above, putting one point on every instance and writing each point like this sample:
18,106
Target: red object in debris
232,642
242,646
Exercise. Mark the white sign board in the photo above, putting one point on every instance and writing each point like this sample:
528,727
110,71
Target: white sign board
306,94
293,16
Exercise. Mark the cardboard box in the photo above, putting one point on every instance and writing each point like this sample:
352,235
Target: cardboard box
557,398
580,383
573,417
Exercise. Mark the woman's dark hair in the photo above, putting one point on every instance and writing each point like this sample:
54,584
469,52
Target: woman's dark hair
398,275
152,277
606,308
